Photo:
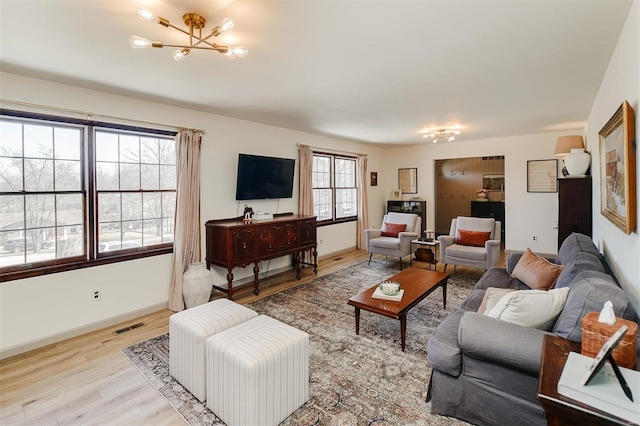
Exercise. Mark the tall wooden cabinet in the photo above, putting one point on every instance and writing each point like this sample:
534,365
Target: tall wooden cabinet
575,209
415,207
492,210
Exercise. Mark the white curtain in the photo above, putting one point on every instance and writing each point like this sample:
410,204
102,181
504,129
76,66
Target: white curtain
363,210
186,237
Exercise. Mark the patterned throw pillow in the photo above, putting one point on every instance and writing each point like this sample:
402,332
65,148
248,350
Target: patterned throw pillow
393,229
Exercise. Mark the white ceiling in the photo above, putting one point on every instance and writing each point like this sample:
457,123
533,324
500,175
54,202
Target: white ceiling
364,70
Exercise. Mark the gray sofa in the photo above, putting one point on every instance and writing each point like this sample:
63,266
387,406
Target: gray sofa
485,370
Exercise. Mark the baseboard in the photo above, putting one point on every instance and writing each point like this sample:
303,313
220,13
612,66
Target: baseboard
67,334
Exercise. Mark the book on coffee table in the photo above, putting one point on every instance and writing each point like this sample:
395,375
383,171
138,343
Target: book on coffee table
378,294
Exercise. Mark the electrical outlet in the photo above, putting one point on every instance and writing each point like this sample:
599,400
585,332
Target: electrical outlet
534,238
320,241
96,294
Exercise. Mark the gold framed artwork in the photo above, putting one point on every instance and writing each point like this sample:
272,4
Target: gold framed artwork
408,180
542,176
618,169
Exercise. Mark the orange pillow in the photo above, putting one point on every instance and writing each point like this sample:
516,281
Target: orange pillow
392,229
472,238
536,271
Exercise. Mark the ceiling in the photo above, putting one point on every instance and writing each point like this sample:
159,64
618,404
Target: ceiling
371,71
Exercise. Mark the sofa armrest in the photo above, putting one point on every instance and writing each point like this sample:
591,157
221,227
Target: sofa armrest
445,241
493,252
405,240
372,233
501,342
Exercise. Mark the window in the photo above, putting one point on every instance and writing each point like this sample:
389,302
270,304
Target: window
74,194
334,188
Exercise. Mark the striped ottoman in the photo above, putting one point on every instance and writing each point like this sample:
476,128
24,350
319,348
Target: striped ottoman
257,372
188,333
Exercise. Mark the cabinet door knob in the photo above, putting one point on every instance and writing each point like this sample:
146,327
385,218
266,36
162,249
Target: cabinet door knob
244,245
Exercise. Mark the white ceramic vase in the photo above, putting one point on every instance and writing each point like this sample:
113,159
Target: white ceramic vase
577,162
196,285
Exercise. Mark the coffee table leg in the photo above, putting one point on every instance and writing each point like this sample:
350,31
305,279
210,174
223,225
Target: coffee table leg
357,320
403,330
444,296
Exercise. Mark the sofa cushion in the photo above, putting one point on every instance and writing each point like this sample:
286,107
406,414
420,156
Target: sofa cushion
476,224
466,252
531,308
472,238
573,244
389,243
498,277
491,297
583,261
589,291
393,229
536,272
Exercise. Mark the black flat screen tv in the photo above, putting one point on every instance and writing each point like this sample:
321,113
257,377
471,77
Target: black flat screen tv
264,177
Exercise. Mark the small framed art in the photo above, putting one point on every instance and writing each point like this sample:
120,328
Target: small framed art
542,176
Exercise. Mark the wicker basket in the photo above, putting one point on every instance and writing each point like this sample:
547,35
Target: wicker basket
424,255
595,334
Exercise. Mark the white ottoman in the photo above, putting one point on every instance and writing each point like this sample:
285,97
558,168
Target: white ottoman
257,372
188,333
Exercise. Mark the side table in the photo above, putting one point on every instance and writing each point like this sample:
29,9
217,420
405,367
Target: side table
560,409
433,245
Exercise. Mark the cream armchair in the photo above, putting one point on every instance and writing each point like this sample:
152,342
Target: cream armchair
394,246
467,255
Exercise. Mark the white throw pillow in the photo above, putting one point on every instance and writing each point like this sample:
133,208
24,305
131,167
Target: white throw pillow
531,308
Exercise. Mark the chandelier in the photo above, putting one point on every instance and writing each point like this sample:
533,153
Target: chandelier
441,135
195,24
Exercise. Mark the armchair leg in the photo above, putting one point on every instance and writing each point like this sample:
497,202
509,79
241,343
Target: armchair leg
401,263
370,258
445,267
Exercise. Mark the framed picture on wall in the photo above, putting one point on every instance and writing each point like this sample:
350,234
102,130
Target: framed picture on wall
374,178
618,169
408,180
542,176
493,182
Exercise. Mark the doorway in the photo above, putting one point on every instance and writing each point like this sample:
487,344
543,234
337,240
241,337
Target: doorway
457,183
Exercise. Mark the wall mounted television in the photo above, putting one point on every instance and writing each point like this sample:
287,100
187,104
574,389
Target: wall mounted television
264,177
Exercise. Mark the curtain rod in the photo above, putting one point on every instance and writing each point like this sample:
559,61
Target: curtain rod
331,150
91,115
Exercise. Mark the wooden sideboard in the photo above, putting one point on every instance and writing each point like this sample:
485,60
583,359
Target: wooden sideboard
232,243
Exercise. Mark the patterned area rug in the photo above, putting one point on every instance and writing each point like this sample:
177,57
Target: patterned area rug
354,380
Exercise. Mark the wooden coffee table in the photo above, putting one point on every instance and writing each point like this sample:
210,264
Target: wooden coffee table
416,283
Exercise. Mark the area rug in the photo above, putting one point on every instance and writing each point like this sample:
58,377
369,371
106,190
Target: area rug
361,379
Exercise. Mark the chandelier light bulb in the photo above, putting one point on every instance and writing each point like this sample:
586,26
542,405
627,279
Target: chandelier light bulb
239,51
145,15
451,139
180,53
230,54
226,25
139,43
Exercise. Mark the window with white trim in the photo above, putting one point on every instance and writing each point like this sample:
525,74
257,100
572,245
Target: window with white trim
74,194
335,193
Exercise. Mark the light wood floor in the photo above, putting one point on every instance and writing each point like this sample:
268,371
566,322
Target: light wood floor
87,381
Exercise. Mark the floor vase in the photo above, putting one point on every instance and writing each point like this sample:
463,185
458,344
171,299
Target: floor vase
196,285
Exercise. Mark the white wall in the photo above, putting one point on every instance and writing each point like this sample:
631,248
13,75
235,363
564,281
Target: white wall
526,214
621,82
46,309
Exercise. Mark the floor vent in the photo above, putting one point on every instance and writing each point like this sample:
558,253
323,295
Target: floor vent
338,258
129,328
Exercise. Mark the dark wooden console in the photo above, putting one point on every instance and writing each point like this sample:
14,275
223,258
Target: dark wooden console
232,243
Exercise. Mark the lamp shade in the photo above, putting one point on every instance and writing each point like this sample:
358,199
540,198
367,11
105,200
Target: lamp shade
565,144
